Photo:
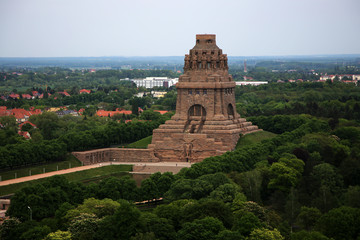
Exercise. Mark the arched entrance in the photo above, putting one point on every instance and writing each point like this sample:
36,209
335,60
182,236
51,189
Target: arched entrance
196,119
230,111
197,112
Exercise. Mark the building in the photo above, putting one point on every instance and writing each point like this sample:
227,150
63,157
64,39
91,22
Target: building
151,82
20,114
157,94
103,113
206,122
253,83
84,91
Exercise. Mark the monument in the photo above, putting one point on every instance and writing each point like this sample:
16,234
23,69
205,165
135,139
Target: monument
205,123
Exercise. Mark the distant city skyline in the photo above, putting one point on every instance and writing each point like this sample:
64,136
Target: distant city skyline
90,28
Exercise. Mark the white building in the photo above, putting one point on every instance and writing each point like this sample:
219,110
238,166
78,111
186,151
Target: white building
253,83
151,82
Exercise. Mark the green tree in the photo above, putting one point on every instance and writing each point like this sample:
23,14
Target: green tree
206,229
161,227
265,234
245,223
144,236
122,225
36,233
9,229
304,235
84,226
58,235
99,208
308,217
340,223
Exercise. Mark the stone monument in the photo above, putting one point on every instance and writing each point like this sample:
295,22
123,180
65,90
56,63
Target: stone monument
206,122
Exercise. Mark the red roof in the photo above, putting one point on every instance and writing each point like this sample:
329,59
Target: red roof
24,134
26,96
14,96
103,113
161,112
18,113
42,95
85,91
64,93
20,126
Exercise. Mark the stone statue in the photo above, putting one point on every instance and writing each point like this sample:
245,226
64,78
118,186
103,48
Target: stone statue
187,62
194,62
188,151
203,61
226,62
222,61
213,61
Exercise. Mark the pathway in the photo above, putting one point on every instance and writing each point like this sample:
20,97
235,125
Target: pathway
140,168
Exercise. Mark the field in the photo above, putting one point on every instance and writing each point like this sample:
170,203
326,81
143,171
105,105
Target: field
142,143
86,176
255,137
70,162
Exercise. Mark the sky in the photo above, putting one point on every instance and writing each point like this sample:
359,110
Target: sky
96,28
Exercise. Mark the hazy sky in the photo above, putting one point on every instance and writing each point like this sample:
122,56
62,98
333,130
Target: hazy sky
67,28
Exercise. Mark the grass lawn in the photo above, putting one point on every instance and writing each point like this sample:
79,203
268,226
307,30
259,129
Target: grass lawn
255,137
142,143
70,162
86,176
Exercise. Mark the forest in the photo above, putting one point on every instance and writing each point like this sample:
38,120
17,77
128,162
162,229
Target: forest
303,183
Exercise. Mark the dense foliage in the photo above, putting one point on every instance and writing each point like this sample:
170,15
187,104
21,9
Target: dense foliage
54,137
60,77
304,183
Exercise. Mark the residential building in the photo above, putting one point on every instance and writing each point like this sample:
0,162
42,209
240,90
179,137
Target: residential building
151,82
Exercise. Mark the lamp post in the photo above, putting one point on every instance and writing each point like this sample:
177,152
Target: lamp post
30,213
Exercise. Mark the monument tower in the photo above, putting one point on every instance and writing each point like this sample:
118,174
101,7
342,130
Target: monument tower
206,122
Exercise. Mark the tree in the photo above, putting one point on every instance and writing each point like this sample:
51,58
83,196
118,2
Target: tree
229,235
84,226
304,235
99,208
340,223
161,227
36,233
328,184
144,236
8,230
58,235
201,229
308,217
122,225
245,223
265,234
352,196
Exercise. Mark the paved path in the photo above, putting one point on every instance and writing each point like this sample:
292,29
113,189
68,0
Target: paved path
144,168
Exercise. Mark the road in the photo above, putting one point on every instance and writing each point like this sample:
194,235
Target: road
141,168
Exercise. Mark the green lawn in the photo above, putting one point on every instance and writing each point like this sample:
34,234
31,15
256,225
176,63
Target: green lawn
86,176
70,162
255,137
142,143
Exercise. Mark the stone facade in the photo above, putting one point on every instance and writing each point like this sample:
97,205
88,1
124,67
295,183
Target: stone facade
205,123
115,155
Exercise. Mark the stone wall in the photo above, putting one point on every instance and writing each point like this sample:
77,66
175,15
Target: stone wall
115,155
